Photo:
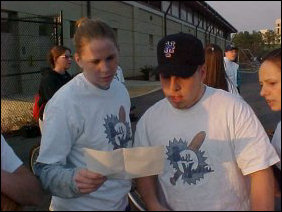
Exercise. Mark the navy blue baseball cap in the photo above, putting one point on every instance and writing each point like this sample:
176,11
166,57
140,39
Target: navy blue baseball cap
179,55
230,47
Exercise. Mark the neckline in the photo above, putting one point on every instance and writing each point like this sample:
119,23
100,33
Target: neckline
98,90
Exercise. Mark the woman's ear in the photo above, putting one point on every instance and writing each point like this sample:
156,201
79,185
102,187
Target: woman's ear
77,60
54,60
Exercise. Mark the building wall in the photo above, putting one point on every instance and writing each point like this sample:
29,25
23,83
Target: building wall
278,26
138,28
278,29
30,45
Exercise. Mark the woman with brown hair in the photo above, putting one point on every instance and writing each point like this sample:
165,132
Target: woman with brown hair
91,111
270,81
59,59
215,73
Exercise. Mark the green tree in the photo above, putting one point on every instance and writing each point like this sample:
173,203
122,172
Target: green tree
270,37
245,40
259,44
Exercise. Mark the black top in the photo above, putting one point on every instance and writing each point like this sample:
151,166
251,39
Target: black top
51,81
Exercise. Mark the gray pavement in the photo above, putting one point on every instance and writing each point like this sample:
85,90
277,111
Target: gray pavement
143,95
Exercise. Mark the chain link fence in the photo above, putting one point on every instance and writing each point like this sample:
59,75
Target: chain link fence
25,42
247,61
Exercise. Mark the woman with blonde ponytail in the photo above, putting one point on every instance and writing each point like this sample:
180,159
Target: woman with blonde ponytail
91,111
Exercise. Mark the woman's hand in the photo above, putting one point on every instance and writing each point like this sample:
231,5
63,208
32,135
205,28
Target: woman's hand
88,181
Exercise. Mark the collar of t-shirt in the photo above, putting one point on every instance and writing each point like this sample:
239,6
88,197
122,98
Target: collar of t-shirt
101,92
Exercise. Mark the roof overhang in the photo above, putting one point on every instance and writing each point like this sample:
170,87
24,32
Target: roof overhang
205,9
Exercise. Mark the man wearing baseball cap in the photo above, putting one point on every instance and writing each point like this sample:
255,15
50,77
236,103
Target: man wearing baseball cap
213,140
231,67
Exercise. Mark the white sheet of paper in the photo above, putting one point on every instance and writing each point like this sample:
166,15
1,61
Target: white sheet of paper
126,163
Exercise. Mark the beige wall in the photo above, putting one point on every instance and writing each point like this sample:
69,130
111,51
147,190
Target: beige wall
134,23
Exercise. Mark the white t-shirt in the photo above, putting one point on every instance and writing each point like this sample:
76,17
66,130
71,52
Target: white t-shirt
232,88
119,75
231,69
276,142
9,160
81,115
207,171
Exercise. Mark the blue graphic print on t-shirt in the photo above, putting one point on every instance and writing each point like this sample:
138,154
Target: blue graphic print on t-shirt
118,130
188,160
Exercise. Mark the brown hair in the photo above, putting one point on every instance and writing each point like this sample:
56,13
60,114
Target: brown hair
214,64
274,57
54,53
88,29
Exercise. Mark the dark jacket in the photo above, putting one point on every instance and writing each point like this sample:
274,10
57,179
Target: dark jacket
50,83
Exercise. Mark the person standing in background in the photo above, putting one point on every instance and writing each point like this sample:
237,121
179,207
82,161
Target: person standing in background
231,67
216,76
59,58
119,75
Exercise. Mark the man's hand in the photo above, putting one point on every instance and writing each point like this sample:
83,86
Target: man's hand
88,181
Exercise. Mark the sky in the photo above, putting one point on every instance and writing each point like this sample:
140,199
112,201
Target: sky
248,15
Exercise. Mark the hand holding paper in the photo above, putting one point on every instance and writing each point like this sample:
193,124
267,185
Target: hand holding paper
126,163
87,181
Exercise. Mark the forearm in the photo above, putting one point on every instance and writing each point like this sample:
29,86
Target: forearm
262,190
21,186
58,179
277,181
147,188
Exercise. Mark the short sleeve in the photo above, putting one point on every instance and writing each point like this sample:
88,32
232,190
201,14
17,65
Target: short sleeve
9,160
59,132
253,150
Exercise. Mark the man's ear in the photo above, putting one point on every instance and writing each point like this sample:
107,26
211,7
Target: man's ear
78,60
203,72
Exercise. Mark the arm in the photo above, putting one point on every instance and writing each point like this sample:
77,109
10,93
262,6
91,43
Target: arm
147,188
68,182
21,186
236,77
262,190
277,181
